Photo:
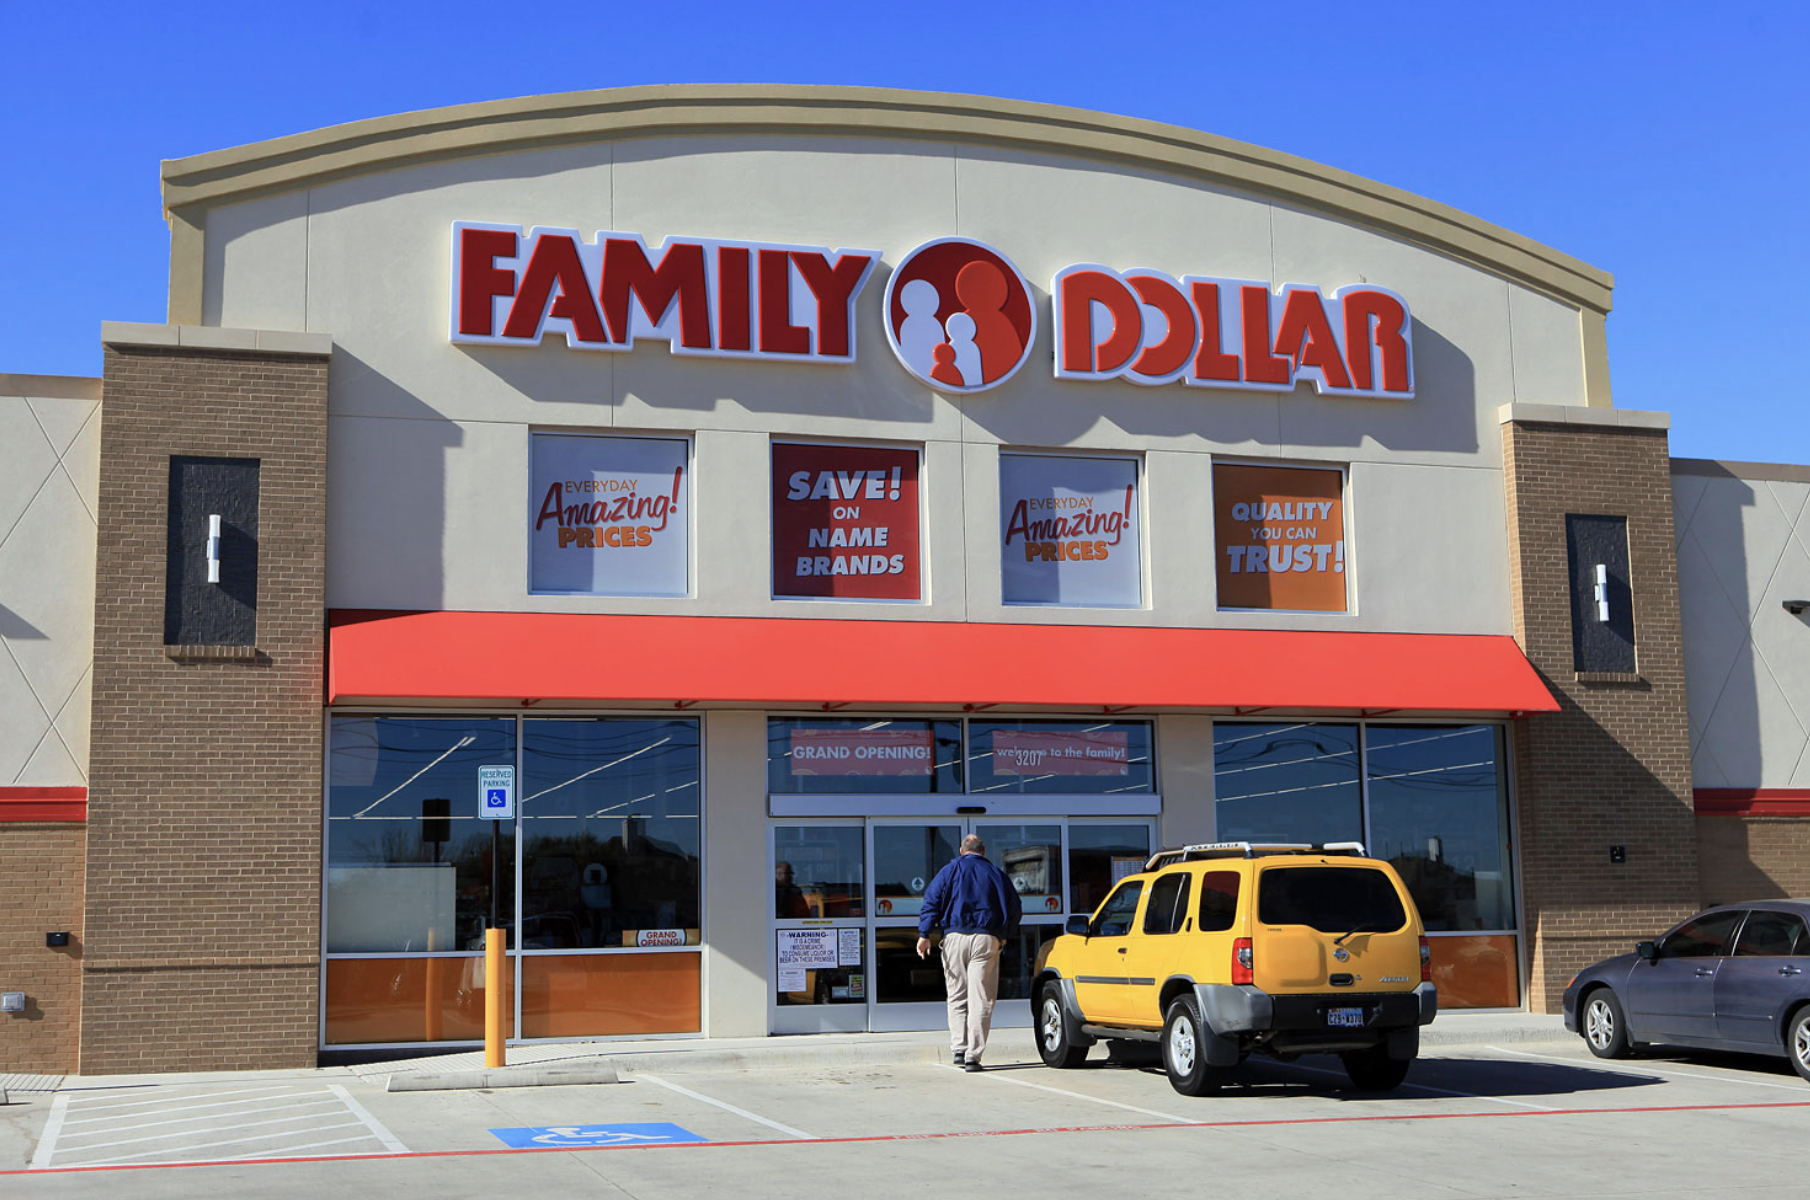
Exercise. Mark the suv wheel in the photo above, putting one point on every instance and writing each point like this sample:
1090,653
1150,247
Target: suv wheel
1185,1050
1054,1045
1797,1042
1373,1070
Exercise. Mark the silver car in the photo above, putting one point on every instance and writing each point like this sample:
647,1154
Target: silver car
1733,977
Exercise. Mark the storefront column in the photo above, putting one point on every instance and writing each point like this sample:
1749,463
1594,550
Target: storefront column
1603,787
737,889
1184,762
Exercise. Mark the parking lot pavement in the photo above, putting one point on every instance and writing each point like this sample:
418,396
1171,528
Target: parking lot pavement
1530,1119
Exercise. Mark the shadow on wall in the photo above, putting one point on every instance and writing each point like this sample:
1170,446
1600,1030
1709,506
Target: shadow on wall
1718,618
386,512
1730,870
16,628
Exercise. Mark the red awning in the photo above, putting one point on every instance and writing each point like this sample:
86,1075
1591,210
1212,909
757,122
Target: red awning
780,663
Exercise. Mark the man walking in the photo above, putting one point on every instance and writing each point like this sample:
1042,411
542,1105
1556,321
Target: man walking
976,907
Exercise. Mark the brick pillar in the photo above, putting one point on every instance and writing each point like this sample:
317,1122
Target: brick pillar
40,893
204,811
1613,766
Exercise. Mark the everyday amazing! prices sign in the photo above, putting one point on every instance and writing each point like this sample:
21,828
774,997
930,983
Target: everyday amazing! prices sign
1069,531
608,516
958,314
845,522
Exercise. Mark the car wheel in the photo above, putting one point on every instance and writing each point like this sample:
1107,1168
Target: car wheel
1605,1029
1797,1042
1374,1071
1054,1045
1185,1050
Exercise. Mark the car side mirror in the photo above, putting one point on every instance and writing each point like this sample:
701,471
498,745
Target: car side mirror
1076,925
1647,951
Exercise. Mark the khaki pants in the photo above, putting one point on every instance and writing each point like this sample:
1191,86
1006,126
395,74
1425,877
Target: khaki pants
971,976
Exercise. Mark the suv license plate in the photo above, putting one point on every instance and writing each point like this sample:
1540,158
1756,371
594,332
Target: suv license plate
1345,1016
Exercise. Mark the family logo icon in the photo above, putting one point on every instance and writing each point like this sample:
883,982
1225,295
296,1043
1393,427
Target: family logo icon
959,315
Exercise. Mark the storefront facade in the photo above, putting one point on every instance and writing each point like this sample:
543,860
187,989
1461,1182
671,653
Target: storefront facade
764,487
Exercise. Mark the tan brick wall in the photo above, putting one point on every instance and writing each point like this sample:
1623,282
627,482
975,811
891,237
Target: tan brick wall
41,892
1753,858
1613,767
203,887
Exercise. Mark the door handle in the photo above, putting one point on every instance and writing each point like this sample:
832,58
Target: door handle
1122,949
1788,969
1703,974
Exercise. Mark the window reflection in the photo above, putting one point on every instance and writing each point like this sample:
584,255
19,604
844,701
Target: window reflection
1294,782
830,755
609,812
1437,815
408,857
1060,757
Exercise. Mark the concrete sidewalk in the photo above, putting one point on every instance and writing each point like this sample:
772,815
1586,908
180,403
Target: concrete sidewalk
686,1055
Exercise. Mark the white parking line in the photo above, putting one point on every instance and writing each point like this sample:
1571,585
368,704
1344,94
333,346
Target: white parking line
1669,1073
88,1105
1044,1087
69,1134
164,1137
107,1162
47,1143
389,1140
740,1112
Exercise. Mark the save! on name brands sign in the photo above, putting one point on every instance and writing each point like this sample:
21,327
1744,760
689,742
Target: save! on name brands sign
958,314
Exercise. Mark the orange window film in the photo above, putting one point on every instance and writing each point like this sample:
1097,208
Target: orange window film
1477,971
1280,537
409,1000
603,995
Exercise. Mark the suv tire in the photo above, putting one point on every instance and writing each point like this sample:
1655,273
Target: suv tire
1373,1070
1054,1045
1185,1050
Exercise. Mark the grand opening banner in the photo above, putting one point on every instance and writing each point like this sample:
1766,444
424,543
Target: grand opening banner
1069,531
1281,537
608,515
845,522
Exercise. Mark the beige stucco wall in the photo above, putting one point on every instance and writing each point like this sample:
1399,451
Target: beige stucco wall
49,481
1743,549
431,440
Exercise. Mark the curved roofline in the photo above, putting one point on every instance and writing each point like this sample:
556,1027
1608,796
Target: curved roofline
381,143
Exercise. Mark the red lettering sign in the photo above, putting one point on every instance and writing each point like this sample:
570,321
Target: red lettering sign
845,522
1102,752
862,752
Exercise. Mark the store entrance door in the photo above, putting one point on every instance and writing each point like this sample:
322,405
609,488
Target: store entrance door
848,894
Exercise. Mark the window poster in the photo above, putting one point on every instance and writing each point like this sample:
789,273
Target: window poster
608,515
1281,537
861,752
1034,752
1069,531
845,522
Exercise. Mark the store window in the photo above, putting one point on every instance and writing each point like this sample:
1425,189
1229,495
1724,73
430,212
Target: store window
1436,814
1069,531
1101,855
1289,782
829,756
609,813
1060,757
408,857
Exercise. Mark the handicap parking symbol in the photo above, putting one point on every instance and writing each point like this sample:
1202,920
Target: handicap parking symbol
497,798
568,1136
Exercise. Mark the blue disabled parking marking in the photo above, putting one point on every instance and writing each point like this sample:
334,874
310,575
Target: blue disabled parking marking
545,1136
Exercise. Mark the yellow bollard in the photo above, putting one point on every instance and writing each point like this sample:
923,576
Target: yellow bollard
493,997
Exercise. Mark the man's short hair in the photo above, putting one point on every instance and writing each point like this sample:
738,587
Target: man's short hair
973,845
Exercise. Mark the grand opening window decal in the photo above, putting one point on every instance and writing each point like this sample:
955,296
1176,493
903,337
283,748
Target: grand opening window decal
609,515
1280,533
1069,531
845,522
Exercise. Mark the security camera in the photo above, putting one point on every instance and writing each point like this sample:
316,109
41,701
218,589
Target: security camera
1796,607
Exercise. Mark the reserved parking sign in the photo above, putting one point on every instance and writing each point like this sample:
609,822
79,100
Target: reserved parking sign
496,793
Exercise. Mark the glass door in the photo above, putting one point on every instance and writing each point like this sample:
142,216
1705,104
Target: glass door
820,956
908,991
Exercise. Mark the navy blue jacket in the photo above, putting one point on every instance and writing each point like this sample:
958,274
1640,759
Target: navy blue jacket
970,895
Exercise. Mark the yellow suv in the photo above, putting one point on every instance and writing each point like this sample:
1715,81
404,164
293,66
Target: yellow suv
1222,949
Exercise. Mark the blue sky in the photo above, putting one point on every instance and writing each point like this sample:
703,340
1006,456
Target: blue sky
1663,142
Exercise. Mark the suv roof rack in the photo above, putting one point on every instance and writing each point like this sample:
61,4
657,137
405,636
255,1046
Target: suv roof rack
1249,850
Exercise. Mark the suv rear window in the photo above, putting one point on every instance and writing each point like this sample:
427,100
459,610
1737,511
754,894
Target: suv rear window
1329,899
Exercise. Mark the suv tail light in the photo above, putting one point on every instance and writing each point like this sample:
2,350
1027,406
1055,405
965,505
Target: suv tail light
1242,961
1426,960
